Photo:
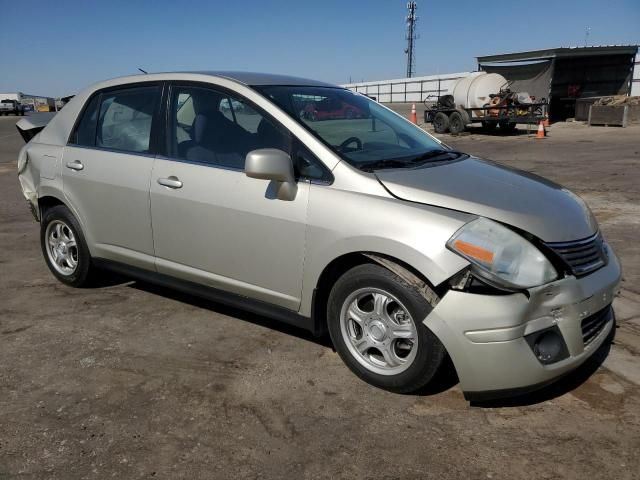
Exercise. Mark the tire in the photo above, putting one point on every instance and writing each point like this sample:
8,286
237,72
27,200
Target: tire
456,123
57,227
507,127
489,126
441,122
414,356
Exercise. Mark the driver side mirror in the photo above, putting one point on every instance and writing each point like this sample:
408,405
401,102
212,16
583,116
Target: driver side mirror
275,165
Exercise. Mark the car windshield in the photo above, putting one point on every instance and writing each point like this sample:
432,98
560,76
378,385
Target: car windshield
360,130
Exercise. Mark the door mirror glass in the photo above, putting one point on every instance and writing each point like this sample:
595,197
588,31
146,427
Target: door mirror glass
275,165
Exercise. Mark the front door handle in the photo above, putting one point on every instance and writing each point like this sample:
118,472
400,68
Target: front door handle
171,182
75,165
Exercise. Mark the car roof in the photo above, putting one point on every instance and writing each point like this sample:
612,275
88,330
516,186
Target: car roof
255,79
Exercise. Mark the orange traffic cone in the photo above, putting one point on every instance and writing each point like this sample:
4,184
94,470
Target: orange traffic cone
541,133
545,122
414,116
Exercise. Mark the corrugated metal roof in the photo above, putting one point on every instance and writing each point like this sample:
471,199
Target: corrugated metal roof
564,52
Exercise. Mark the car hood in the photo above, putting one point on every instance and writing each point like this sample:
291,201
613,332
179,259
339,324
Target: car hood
481,187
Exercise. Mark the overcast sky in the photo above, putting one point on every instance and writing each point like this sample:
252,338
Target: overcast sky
57,47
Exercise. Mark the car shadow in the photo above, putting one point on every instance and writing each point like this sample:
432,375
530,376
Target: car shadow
444,379
519,131
229,311
562,386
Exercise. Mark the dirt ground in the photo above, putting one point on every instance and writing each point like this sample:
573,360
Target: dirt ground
133,381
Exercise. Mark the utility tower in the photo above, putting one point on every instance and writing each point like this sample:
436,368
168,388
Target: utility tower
411,37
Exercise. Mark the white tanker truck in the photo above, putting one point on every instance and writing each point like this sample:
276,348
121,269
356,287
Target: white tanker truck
484,98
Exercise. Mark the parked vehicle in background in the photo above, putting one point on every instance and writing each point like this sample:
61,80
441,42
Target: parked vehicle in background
405,250
331,109
483,98
11,107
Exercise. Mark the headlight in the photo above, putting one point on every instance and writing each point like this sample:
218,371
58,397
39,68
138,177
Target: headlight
502,255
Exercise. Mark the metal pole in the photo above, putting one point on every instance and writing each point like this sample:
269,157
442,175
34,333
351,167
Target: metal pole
411,37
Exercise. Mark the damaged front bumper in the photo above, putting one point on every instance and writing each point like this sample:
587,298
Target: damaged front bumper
489,337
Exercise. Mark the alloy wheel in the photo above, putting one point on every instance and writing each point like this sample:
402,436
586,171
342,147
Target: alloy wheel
379,331
62,248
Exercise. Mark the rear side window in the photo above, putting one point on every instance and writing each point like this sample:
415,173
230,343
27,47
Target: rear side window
86,130
124,121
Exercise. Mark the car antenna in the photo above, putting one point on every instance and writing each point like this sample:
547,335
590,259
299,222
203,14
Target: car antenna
143,71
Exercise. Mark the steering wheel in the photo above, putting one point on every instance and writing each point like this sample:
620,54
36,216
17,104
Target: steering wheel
349,141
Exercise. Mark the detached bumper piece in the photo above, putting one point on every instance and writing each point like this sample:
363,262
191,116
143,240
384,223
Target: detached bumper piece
34,211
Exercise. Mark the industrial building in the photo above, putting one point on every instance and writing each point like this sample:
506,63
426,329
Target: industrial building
37,101
563,76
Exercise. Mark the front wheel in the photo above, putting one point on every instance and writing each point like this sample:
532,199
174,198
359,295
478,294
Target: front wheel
375,323
64,247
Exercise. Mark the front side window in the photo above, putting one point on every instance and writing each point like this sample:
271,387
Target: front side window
361,131
125,118
213,127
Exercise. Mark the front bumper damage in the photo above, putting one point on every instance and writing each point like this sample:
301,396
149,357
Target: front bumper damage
485,334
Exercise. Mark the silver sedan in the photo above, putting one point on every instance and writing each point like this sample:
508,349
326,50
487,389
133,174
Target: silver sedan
322,208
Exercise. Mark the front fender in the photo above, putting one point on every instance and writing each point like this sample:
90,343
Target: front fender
341,222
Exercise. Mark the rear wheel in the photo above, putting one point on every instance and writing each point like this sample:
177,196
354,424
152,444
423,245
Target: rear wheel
456,123
441,122
64,247
375,322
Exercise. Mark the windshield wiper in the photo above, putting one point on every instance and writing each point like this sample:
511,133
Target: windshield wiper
380,164
430,156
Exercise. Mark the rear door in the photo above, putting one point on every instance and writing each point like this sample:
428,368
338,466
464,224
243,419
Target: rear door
106,172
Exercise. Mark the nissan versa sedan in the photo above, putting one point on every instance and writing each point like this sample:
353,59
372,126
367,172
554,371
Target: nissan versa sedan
403,249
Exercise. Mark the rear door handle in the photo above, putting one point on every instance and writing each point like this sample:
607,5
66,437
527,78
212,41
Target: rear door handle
75,165
171,182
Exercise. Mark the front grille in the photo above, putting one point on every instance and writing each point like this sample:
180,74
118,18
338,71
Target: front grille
593,324
582,256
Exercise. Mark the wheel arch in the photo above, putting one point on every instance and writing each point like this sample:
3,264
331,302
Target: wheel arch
345,262
46,202
51,197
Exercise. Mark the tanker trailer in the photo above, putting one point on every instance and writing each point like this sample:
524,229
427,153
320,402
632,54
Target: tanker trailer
483,98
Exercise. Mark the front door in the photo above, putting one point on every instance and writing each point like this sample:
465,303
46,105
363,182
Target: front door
106,172
211,223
